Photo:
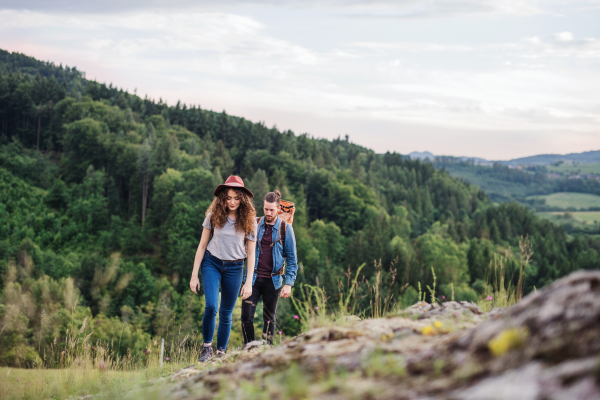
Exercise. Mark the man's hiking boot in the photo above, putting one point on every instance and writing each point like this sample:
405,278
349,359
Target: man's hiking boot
206,354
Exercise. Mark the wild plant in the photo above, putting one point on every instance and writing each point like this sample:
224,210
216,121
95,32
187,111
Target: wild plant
312,308
500,291
432,291
380,307
349,301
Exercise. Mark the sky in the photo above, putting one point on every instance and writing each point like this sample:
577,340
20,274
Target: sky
496,79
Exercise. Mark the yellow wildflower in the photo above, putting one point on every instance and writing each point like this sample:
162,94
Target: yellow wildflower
508,339
427,330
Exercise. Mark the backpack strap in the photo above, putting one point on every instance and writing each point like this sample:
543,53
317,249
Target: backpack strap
282,232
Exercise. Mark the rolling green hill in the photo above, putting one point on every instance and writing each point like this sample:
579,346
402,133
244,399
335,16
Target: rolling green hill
575,169
526,184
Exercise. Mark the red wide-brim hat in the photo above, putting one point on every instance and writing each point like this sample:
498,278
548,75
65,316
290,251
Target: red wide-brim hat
234,182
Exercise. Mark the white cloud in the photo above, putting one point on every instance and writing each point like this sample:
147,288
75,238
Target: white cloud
563,37
203,42
410,46
561,45
366,8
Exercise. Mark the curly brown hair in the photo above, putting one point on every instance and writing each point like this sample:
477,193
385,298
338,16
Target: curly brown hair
245,215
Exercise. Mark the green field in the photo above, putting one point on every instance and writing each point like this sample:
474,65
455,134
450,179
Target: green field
575,168
565,200
583,221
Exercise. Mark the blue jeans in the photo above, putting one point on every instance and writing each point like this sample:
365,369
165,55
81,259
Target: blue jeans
227,274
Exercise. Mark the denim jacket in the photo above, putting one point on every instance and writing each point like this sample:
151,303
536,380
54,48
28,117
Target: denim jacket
279,254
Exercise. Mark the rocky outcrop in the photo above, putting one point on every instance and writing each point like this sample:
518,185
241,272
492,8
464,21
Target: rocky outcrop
545,347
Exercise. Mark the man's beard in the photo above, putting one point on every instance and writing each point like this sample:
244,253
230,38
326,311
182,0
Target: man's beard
270,219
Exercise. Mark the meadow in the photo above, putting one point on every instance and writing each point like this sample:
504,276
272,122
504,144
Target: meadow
569,200
575,221
44,383
568,169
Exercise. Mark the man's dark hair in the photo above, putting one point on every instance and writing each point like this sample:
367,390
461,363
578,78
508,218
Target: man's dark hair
273,197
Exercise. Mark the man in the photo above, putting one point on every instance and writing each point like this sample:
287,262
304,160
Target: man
275,245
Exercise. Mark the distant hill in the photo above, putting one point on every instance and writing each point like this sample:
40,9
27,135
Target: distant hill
545,159
425,155
587,157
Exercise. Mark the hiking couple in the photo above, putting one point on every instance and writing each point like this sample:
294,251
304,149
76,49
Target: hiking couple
231,234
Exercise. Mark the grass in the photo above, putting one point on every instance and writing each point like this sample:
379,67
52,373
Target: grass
587,217
78,368
42,383
500,287
566,200
93,370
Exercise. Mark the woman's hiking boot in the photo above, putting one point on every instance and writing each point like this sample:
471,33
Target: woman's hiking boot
220,353
206,354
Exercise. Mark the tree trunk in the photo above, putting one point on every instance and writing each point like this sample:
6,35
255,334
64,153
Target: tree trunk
129,206
144,197
108,188
39,129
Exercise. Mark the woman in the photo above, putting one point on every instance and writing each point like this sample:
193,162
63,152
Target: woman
228,237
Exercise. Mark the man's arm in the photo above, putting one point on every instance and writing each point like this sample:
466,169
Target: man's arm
290,255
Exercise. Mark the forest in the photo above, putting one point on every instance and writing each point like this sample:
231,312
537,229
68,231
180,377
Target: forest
103,194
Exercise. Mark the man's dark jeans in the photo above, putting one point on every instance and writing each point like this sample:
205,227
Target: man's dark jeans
262,287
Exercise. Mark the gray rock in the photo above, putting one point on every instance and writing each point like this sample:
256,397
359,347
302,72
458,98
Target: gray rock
255,344
422,310
520,384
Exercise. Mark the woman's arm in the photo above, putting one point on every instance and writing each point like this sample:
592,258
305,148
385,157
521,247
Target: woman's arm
195,282
251,252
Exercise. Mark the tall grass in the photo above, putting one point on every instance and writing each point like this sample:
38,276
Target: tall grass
77,351
312,305
500,289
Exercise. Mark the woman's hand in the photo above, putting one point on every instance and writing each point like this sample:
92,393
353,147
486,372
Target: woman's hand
195,284
246,290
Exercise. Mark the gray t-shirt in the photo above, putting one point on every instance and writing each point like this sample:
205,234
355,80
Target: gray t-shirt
227,243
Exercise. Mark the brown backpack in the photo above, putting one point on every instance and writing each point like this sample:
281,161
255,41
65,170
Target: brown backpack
286,211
